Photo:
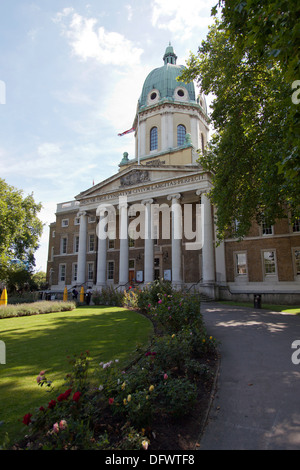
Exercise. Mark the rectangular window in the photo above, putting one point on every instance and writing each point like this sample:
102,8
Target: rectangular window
269,262
92,243
92,219
110,270
296,225
75,271
131,264
62,273
63,247
76,244
65,223
111,244
297,261
241,264
266,229
77,221
90,271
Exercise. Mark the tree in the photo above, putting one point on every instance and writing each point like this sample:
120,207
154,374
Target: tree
254,153
20,228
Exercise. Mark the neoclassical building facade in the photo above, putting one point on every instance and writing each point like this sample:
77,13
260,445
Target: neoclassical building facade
152,219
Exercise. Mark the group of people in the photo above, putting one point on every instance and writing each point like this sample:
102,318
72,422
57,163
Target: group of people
87,295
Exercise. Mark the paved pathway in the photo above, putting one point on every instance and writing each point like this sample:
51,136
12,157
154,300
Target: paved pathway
257,402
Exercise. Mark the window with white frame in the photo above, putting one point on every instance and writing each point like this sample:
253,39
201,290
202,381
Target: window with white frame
76,243
63,246
62,273
296,256
65,223
269,263
92,219
111,244
266,229
75,271
92,242
241,264
77,221
90,271
296,225
110,270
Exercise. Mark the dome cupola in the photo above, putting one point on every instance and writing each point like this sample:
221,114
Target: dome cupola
161,84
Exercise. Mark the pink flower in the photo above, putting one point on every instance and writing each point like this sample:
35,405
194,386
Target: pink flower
55,428
39,379
169,308
42,372
63,424
111,401
160,301
165,376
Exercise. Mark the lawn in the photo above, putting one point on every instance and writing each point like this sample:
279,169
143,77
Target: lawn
43,342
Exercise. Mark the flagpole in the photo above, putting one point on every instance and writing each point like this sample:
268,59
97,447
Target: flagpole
139,134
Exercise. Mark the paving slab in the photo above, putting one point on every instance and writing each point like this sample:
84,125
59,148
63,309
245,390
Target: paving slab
256,405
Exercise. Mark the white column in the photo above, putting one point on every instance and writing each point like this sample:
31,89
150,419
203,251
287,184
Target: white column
81,259
176,238
124,248
208,265
149,244
101,259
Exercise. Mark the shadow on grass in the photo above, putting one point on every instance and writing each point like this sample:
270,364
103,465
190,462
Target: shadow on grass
43,342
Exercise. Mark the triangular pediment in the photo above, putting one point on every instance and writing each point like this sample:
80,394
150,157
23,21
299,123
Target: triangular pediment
135,176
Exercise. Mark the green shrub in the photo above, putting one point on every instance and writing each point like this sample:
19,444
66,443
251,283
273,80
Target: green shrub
35,308
108,296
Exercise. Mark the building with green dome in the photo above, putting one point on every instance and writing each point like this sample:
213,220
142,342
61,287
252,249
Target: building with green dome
153,219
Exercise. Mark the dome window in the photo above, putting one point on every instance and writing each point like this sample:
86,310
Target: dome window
153,97
153,139
181,94
181,131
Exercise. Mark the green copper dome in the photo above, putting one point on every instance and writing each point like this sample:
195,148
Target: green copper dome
161,84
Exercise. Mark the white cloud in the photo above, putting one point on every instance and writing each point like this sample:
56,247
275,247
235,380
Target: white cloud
182,19
91,41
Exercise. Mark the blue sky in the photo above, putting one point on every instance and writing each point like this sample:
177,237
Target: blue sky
71,74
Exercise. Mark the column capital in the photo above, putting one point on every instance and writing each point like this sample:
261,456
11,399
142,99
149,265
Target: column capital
174,196
80,213
200,192
147,201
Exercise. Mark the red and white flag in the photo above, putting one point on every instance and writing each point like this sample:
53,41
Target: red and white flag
127,132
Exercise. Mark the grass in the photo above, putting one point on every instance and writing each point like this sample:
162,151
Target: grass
292,309
43,342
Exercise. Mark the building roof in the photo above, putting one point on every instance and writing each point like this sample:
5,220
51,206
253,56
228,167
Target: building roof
164,81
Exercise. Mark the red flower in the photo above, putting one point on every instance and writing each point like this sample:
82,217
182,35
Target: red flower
111,401
51,404
67,393
42,408
27,419
61,397
76,396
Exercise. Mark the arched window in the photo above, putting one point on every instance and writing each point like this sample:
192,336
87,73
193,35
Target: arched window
181,131
153,139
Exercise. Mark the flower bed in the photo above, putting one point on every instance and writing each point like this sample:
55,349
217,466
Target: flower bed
130,407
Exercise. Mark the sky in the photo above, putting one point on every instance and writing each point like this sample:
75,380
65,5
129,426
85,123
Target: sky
71,74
